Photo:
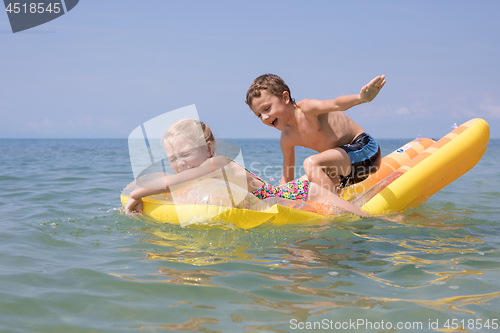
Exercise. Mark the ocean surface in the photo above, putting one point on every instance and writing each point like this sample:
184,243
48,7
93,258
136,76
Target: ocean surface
71,261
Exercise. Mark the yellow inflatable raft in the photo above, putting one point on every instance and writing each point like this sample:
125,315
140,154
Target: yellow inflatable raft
406,179
437,166
276,210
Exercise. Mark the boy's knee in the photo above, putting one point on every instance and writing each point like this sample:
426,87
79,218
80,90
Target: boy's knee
313,169
308,162
311,165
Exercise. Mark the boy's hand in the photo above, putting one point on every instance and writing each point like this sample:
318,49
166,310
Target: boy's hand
371,90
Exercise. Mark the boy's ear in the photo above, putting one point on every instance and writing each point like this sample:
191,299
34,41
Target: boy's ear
286,97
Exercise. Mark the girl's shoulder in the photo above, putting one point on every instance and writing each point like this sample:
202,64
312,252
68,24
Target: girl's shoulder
218,161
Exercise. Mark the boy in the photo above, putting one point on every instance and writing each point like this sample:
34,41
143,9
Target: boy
347,154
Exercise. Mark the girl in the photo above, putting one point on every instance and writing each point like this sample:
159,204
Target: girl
190,147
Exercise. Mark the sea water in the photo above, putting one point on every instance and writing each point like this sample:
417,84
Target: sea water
71,261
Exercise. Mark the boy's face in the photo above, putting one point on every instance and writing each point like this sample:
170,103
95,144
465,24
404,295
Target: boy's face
184,154
271,109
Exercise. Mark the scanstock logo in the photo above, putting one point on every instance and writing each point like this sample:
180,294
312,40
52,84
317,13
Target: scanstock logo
28,14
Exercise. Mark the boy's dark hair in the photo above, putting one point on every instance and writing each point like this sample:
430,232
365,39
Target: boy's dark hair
273,84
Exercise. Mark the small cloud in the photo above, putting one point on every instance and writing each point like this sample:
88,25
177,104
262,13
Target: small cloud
468,113
45,124
402,110
80,122
492,111
487,108
85,121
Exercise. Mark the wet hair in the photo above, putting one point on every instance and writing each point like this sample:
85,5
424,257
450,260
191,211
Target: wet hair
196,131
271,83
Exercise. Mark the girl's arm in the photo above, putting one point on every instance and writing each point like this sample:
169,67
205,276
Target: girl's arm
162,183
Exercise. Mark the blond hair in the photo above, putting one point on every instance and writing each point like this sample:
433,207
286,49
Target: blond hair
196,131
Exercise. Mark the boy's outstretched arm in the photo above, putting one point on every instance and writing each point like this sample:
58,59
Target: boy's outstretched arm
342,103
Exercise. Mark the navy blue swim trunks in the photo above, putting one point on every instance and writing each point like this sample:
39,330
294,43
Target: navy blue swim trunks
365,156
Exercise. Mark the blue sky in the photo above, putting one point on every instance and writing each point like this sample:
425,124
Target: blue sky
107,66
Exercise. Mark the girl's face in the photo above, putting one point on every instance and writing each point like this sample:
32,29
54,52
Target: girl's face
183,154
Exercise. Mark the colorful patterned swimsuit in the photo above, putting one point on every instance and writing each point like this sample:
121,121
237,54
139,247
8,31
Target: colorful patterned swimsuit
294,190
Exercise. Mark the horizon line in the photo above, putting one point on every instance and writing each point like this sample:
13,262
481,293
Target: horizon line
121,138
